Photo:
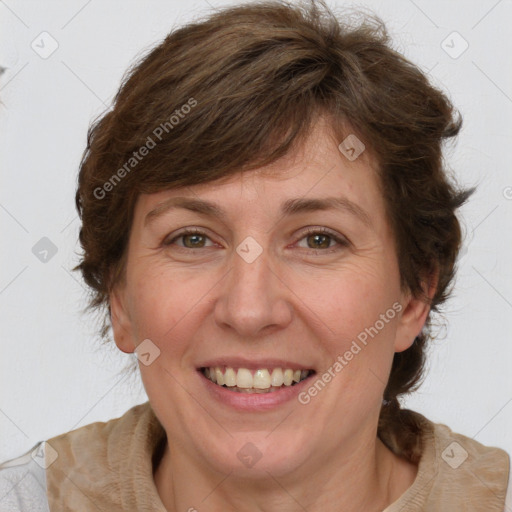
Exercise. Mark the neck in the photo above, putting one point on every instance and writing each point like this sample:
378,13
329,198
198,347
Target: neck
368,478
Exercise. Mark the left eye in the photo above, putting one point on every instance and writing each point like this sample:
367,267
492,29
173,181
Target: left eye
322,239
319,240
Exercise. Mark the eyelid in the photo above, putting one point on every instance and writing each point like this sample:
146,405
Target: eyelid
324,231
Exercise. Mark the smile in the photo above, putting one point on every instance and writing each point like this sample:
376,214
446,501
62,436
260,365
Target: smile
261,380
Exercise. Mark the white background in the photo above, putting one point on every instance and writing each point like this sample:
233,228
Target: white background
56,376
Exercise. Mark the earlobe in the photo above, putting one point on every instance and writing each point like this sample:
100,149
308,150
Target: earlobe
120,321
414,315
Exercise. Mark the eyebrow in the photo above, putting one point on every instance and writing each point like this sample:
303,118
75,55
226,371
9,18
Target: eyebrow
289,207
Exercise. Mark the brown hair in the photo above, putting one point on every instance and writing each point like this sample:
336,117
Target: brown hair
241,88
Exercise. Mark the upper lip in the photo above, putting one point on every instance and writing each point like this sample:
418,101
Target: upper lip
253,364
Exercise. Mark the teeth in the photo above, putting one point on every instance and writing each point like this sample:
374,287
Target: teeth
230,378
218,376
277,377
261,379
243,380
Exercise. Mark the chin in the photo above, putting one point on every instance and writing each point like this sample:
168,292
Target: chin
255,455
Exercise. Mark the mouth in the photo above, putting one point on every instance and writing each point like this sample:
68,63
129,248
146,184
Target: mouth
255,381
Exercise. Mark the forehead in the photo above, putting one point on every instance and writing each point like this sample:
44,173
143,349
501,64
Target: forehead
316,170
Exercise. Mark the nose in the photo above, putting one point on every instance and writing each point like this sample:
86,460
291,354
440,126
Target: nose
253,299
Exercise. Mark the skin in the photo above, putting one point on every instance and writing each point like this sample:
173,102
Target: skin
296,301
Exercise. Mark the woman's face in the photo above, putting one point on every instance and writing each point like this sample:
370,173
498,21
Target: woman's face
278,277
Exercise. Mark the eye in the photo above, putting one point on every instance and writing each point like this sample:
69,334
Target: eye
193,239
321,238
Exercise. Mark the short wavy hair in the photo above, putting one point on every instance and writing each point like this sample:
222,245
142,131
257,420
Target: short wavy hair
239,89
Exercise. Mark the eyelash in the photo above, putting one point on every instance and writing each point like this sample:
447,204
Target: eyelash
343,242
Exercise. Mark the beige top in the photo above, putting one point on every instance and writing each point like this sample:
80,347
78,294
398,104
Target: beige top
109,466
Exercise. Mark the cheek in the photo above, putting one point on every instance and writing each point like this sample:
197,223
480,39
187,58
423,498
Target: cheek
168,305
359,317
350,299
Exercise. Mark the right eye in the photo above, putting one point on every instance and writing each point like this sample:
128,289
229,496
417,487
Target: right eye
195,237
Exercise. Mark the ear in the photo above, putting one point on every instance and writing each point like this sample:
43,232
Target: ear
414,314
121,324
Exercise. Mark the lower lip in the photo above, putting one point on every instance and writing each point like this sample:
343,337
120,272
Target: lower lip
254,401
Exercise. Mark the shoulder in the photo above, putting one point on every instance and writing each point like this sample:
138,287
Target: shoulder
97,443
62,467
456,472
102,432
456,451
104,462
481,472
23,482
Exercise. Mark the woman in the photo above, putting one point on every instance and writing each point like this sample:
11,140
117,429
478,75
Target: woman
266,217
